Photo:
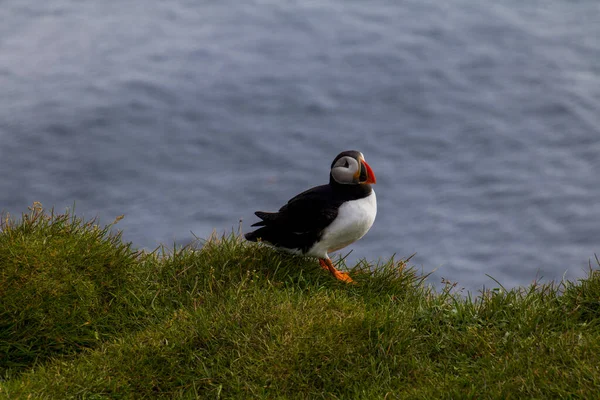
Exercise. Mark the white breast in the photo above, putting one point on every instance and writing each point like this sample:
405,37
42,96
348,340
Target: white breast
354,219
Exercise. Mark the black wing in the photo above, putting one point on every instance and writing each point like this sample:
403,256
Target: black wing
300,222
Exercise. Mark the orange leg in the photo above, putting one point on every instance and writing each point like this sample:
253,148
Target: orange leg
328,265
323,264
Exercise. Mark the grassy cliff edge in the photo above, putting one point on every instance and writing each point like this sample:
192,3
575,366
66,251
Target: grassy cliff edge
85,315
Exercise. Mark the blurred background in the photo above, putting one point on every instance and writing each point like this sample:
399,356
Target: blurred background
481,121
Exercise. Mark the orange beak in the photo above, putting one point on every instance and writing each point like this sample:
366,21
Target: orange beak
370,175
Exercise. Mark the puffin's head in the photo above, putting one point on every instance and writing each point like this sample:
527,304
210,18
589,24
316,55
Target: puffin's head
350,168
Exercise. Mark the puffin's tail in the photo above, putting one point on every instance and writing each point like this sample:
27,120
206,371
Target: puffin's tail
266,217
256,235
260,233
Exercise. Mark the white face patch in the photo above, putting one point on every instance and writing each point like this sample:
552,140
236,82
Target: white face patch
344,169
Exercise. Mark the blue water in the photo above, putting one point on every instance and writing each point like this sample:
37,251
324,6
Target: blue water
481,121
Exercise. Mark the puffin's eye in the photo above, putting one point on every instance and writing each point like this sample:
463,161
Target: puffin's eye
346,163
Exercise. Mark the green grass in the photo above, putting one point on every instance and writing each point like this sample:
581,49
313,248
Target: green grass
84,315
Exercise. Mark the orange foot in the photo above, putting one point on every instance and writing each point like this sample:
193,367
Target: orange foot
328,265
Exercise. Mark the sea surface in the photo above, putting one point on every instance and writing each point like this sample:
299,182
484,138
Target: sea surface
481,120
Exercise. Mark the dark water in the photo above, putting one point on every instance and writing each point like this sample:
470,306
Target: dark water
481,121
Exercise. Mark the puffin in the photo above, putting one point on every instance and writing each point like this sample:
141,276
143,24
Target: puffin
325,218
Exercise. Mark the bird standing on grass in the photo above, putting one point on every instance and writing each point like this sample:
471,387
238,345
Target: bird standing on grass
325,218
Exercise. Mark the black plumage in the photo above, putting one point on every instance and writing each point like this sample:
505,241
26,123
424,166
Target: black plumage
300,223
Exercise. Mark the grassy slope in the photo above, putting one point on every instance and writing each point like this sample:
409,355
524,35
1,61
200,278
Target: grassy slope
84,315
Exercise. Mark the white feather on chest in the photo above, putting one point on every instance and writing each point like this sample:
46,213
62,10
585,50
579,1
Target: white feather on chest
354,219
